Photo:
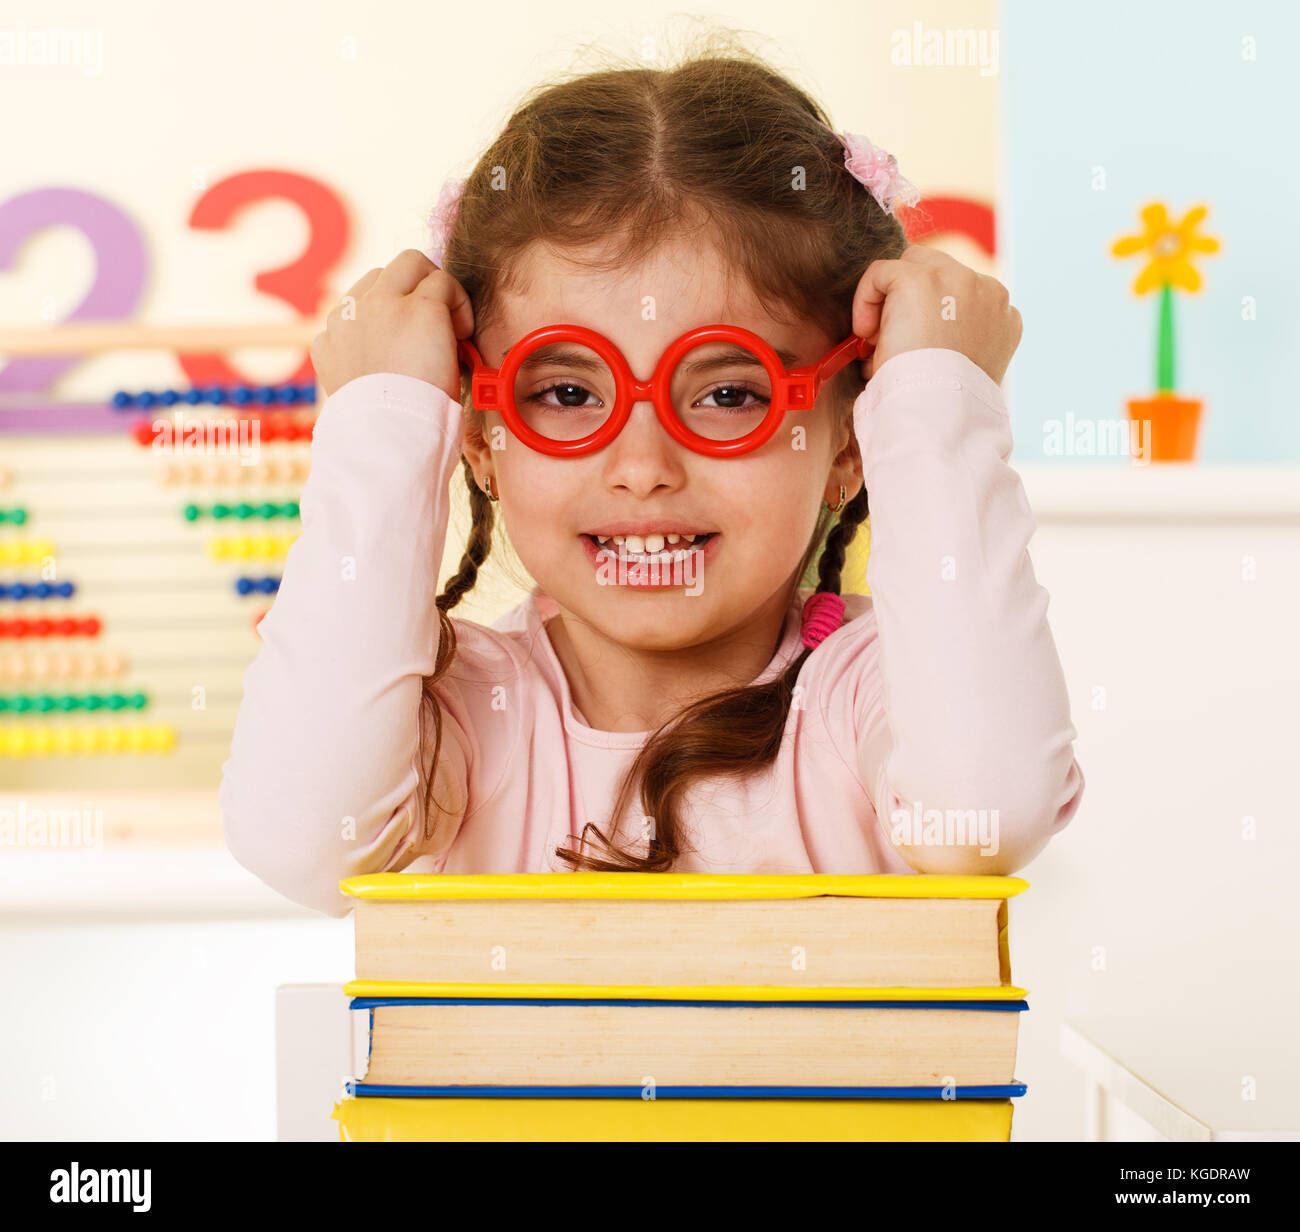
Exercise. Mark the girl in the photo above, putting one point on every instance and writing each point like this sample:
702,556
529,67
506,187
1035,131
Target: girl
720,718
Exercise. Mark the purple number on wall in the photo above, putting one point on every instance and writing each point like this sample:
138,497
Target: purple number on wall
120,265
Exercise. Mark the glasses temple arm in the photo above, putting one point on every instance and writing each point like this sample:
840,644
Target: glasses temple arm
802,383
468,354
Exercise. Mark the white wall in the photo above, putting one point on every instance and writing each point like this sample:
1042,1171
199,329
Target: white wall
1152,904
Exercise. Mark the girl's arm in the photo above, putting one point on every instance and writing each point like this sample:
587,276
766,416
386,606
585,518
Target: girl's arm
326,777
969,709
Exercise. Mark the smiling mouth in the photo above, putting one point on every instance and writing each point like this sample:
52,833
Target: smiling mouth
618,546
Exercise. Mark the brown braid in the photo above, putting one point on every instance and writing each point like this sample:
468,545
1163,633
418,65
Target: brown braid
477,548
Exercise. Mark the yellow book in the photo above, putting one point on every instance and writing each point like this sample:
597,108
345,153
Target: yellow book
673,1120
443,945
683,936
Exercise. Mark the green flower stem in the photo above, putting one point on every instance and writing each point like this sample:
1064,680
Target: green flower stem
1165,343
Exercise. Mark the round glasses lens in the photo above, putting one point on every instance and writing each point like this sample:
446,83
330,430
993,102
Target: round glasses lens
721,391
564,391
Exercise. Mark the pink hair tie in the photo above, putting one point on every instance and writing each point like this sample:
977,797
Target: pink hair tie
823,613
442,218
877,171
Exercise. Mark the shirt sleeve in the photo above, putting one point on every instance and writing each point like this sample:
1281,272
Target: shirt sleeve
963,734
326,777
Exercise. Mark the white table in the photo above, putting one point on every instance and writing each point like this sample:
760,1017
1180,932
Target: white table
1220,1078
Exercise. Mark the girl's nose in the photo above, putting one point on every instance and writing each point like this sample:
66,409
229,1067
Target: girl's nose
644,455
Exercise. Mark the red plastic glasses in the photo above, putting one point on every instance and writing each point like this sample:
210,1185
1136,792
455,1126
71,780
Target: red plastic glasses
559,362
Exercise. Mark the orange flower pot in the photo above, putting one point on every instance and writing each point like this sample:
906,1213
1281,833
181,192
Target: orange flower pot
1174,422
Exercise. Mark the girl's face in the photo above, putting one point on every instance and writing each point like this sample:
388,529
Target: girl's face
760,507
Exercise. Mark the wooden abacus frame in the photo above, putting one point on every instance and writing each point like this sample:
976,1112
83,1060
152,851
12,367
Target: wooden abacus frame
147,817
85,337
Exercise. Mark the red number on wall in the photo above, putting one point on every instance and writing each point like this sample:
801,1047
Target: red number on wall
959,215
301,282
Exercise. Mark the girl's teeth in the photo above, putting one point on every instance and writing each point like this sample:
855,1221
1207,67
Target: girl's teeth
646,544
645,539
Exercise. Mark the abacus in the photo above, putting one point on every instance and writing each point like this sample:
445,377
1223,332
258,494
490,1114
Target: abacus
142,539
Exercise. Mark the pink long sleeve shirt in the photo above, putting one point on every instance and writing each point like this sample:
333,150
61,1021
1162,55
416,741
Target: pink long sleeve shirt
931,734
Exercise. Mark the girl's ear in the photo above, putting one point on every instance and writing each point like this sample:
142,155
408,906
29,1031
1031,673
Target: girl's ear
848,459
474,448
847,468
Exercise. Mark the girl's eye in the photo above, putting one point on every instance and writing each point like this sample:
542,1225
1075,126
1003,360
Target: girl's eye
732,398
568,394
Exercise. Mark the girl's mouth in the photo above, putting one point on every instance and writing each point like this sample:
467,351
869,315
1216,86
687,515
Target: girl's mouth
671,560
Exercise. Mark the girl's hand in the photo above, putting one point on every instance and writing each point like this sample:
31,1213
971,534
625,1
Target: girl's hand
928,299
404,318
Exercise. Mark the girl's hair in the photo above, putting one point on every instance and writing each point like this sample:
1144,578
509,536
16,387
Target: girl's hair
632,155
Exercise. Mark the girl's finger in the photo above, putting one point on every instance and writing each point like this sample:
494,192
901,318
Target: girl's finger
362,284
442,288
869,298
920,254
864,365
405,272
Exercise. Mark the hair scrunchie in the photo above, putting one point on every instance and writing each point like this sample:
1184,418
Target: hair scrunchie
823,613
877,171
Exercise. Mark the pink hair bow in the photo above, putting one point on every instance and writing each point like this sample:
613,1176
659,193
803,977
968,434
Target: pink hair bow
878,172
443,218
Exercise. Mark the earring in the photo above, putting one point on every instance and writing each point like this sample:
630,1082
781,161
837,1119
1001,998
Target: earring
487,487
837,508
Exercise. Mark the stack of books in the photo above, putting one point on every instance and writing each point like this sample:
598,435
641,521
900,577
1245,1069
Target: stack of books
683,1007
